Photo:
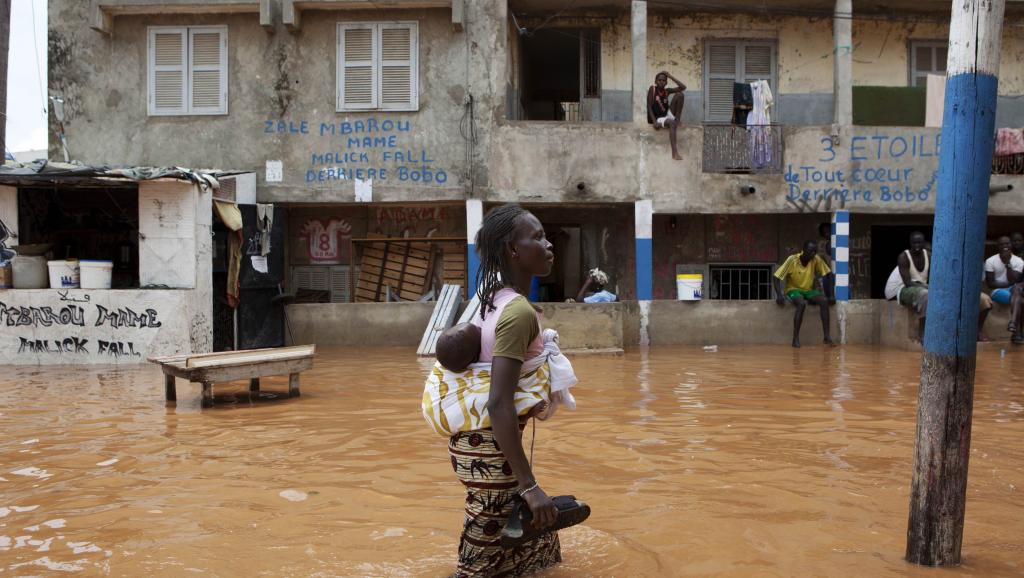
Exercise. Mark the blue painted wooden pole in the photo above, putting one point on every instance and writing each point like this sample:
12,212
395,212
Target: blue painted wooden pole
945,398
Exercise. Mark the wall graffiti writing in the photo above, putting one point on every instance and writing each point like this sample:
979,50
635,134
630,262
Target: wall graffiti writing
125,317
74,315
403,215
323,240
878,173
362,149
6,253
78,346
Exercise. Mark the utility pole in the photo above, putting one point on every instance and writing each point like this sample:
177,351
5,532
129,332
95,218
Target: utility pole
943,446
5,45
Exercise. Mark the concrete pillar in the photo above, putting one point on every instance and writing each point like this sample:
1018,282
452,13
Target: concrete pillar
638,22
942,450
841,264
841,253
474,219
643,227
842,26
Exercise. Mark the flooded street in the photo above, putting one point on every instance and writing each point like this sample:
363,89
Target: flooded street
759,461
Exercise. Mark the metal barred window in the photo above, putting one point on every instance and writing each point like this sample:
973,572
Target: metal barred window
741,281
188,70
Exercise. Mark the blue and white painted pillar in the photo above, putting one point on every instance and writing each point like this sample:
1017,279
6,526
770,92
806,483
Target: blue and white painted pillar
644,227
474,220
945,398
841,264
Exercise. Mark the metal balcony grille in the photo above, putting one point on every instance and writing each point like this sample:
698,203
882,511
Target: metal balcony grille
743,150
743,281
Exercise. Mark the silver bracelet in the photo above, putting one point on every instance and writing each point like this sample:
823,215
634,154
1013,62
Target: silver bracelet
522,493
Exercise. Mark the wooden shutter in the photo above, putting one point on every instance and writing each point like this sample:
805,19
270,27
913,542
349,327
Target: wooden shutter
757,63
357,67
398,46
208,70
168,50
721,74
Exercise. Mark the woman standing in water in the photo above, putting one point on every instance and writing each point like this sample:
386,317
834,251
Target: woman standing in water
490,461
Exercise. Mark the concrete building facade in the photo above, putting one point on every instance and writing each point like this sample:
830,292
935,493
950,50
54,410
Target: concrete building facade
411,118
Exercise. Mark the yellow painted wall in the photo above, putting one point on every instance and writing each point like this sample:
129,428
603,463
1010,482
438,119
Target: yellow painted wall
805,58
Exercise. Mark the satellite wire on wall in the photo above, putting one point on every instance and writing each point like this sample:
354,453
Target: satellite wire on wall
35,46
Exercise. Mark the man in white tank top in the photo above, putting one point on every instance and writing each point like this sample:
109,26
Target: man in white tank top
910,286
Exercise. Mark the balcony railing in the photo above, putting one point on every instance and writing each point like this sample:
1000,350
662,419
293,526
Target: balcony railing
743,150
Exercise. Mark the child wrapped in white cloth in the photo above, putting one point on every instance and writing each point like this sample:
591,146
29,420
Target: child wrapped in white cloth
456,401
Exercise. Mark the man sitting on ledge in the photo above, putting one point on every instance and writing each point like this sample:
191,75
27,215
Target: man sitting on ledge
908,284
801,273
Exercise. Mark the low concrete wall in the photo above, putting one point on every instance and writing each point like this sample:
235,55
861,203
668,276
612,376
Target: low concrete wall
369,324
617,325
585,326
72,326
731,323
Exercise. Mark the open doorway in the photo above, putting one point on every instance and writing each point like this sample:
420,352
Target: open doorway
887,242
566,276
561,74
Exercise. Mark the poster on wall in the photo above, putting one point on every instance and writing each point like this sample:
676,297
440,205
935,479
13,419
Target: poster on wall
326,241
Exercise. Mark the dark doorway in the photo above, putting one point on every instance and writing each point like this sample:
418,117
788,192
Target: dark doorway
887,242
561,70
566,276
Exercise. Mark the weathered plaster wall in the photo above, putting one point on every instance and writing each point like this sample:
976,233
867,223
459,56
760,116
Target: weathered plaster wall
282,103
872,169
76,326
50,326
594,326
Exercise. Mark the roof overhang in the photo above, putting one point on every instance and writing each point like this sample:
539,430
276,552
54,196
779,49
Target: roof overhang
291,10
102,12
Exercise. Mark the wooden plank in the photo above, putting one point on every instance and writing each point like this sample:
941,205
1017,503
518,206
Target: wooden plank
170,392
443,316
250,357
235,373
471,308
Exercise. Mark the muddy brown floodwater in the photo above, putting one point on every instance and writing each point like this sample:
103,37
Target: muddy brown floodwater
758,461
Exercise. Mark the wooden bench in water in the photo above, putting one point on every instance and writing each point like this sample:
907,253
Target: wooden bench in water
251,364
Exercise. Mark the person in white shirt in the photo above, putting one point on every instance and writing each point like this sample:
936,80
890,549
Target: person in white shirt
1002,271
908,284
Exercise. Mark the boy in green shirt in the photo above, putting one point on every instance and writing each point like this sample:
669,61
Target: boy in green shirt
800,273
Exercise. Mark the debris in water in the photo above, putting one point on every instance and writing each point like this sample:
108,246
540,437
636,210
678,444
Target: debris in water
33,472
109,462
293,495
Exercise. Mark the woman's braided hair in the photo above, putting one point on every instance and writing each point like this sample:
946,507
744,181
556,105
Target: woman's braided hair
497,231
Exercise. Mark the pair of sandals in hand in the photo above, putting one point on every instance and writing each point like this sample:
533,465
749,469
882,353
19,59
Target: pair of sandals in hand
519,527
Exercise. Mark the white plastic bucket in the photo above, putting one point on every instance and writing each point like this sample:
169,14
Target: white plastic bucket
96,274
689,286
63,274
29,272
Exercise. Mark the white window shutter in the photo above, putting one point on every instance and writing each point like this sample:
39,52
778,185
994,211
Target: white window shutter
721,74
208,67
168,57
757,63
398,51
358,60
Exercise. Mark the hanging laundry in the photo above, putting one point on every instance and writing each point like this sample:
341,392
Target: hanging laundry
742,102
759,121
1009,141
264,223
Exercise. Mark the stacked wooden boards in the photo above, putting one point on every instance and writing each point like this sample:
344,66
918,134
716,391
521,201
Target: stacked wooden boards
443,317
399,268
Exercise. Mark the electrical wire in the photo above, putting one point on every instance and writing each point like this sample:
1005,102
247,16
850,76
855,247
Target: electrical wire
39,68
